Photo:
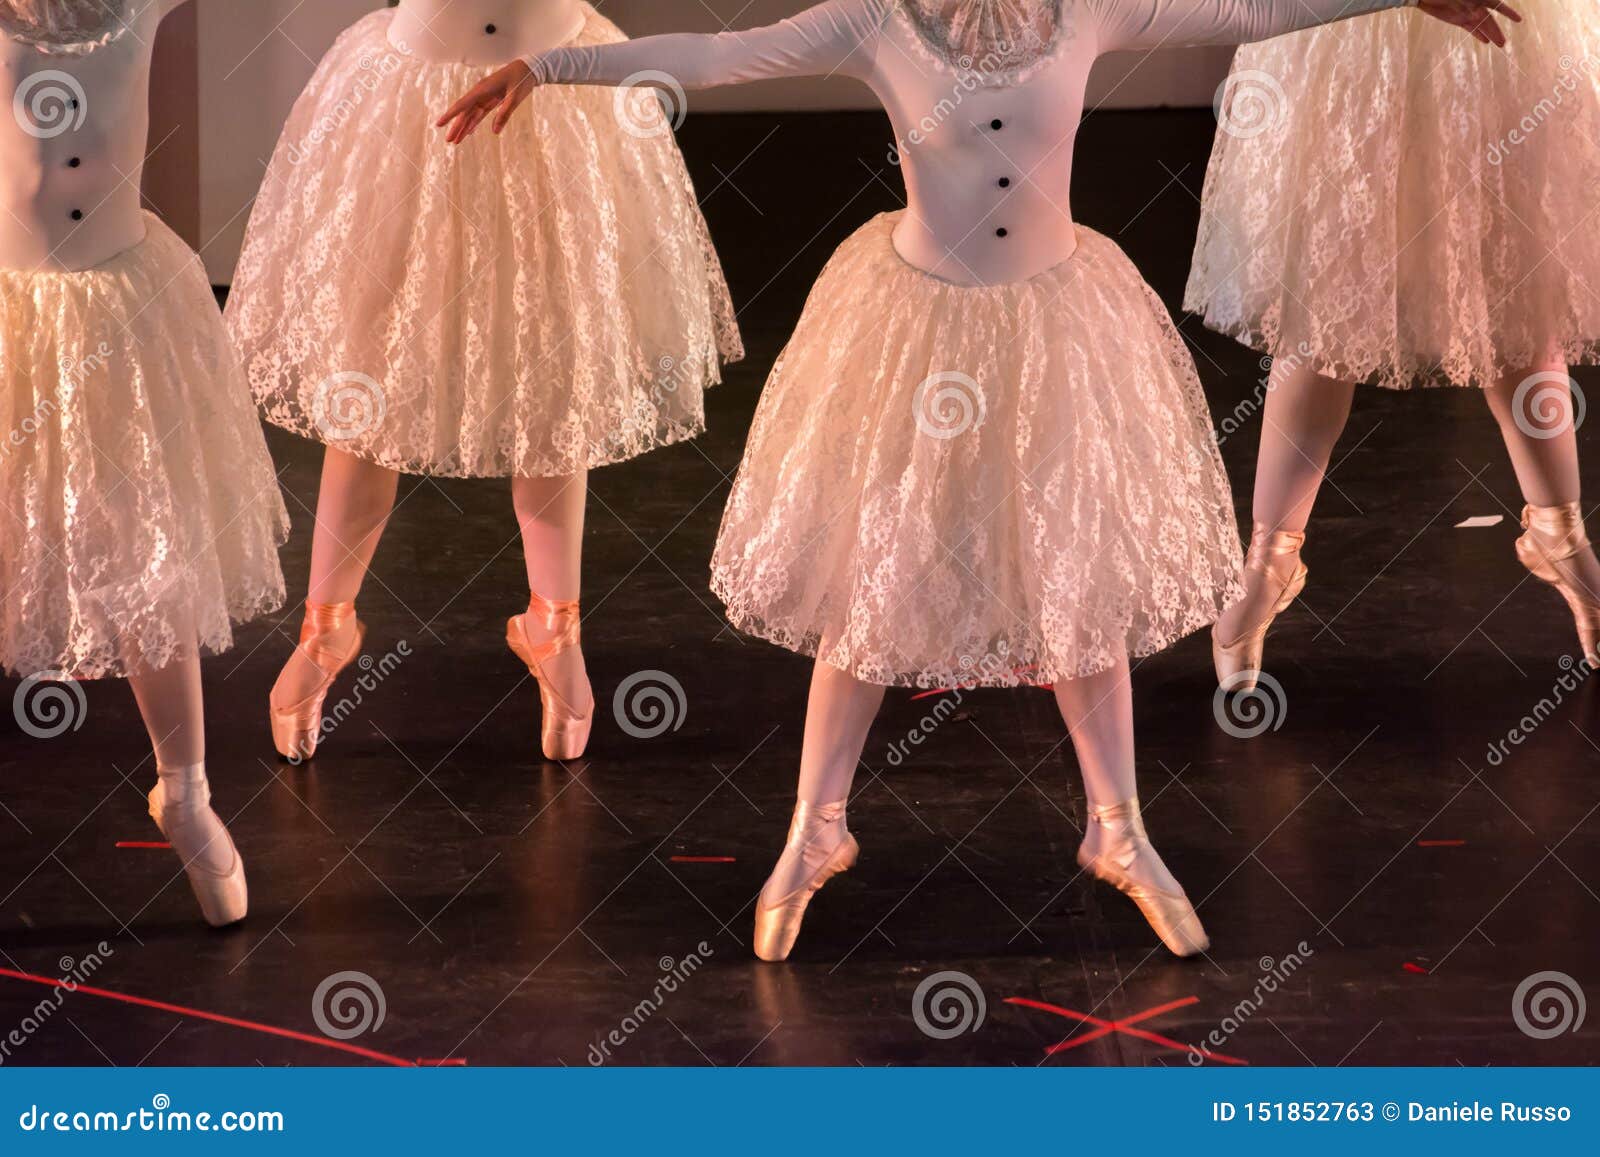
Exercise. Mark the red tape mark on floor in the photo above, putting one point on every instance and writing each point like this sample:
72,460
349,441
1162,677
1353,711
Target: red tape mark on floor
142,844
1441,843
1019,672
201,1014
704,860
1125,1025
1415,968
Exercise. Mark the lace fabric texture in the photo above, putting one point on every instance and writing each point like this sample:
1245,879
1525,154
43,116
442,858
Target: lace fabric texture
531,304
1002,42
979,486
67,26
137,487
1393,202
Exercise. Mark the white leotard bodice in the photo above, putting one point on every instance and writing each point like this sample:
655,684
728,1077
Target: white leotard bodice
73,131
987,155
486,32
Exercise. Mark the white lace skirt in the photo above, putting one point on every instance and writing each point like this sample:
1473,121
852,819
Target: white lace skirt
979,486
138,494
528,304
1392,202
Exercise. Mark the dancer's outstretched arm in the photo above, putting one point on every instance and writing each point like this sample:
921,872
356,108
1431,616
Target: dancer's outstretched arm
1140,24
835,37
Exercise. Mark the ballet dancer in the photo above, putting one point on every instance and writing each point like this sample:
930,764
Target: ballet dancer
142,513
984,457
531,308
1464,258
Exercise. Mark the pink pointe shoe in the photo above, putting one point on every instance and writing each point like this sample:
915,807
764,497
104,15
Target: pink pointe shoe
180,803
564,728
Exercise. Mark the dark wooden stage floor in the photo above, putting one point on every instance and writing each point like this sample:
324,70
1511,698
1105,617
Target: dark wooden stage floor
1377,884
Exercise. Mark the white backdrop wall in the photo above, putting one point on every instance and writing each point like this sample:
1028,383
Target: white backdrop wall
256,55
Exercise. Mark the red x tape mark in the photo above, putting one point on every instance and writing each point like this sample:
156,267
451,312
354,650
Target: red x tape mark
1125,1026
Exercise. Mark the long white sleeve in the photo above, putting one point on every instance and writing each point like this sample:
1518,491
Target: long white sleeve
832,37
1141,24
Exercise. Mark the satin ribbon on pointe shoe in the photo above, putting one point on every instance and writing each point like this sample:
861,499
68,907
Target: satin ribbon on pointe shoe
296,729
563,729
180,803
1170,913
778,923
1238,664
1555,534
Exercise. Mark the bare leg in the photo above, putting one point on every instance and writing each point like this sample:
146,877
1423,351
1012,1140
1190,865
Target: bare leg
1541,437
1305,414
173,710
550,514
172,706
839,714
353,508
1098,711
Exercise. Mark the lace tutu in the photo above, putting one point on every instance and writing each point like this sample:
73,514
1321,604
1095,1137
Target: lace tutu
1391,201
980,486
139,495
531,304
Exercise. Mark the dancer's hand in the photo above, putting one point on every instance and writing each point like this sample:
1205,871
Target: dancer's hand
505,90
1476,16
